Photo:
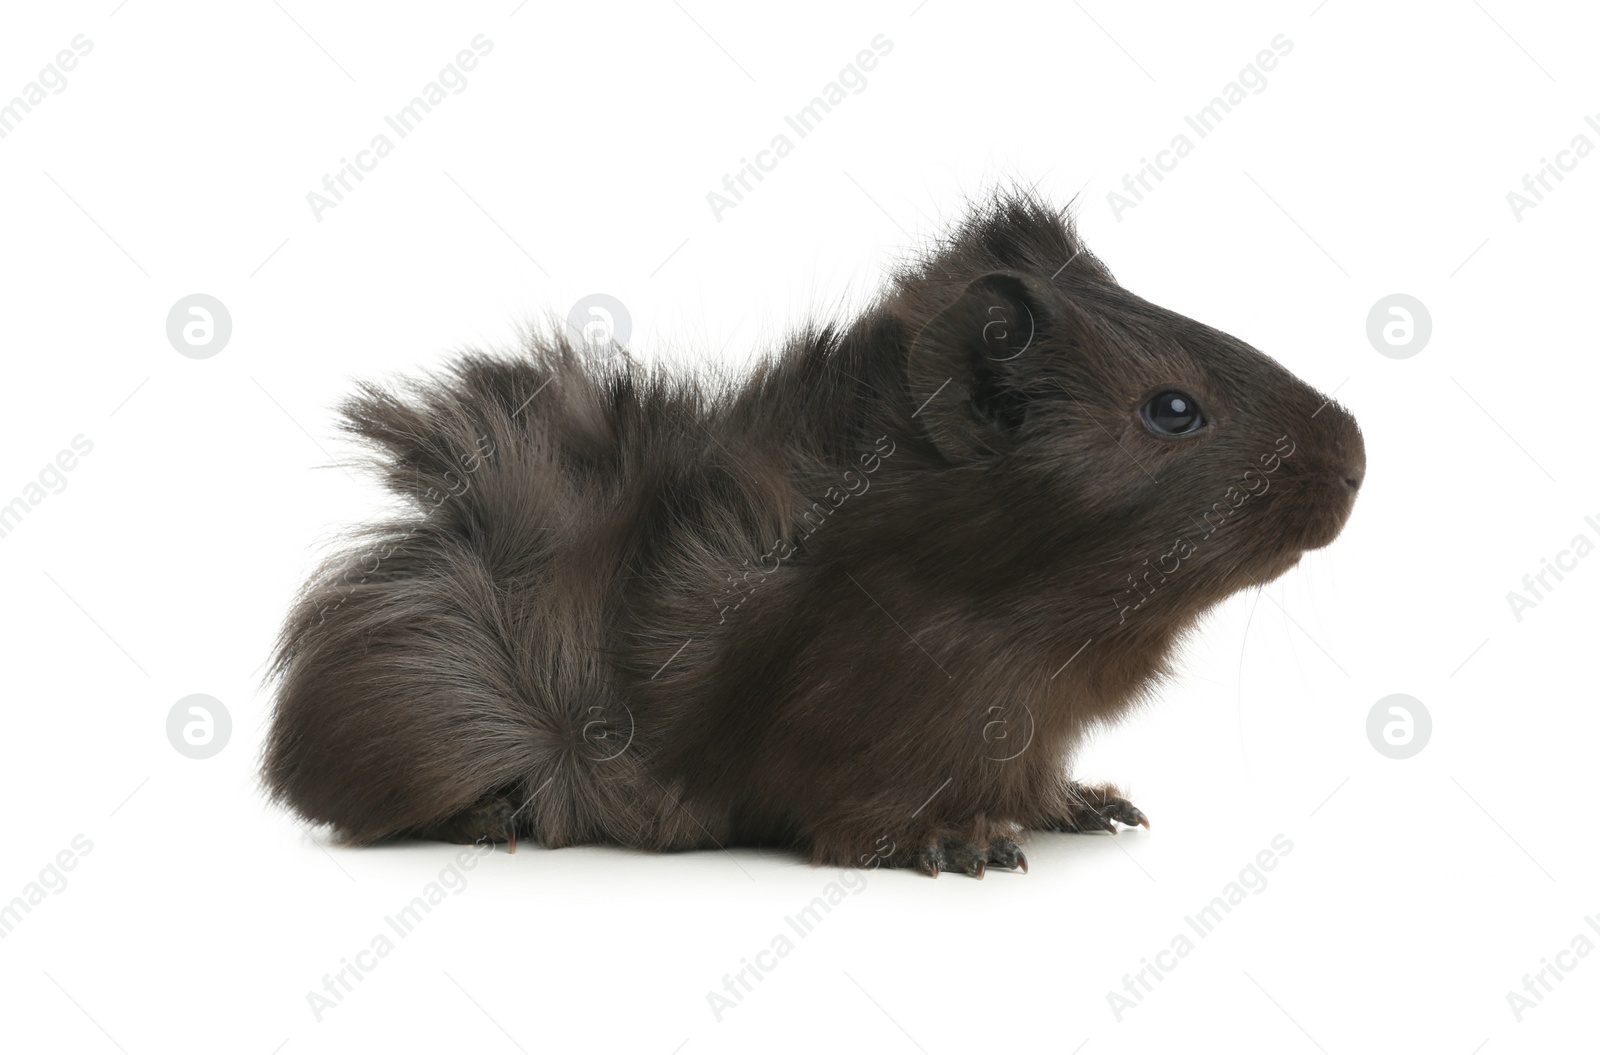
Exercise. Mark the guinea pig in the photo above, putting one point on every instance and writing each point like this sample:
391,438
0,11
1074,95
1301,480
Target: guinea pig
863,602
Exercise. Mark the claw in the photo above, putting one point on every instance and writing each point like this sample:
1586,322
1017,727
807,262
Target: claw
1004,852
1127,813
511,840
1096,808
953,854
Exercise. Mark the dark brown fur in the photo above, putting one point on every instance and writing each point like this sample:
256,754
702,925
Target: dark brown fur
588,630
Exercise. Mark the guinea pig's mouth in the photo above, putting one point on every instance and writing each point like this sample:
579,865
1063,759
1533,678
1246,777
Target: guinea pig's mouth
1330,500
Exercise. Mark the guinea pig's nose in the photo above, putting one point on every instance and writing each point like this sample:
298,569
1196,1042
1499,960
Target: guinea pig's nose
1351,451
1355,463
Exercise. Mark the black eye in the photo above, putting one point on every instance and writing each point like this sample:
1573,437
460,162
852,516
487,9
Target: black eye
1172,413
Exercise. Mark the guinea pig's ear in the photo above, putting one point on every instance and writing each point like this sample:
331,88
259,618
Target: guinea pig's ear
962,366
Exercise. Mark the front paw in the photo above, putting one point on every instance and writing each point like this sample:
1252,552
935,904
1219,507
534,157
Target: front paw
952,853
971,851
1089,808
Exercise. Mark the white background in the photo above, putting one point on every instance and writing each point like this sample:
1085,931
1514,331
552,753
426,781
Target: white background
577,159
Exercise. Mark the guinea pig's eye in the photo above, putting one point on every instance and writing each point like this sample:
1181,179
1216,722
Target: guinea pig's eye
1172,413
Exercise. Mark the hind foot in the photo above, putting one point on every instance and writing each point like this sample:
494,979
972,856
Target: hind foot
1090,808
490,819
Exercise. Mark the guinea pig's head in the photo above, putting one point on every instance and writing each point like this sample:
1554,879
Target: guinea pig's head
1146,448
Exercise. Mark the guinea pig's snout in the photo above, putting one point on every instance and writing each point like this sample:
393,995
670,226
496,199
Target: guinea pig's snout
1355,470
1343,453
1339,465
